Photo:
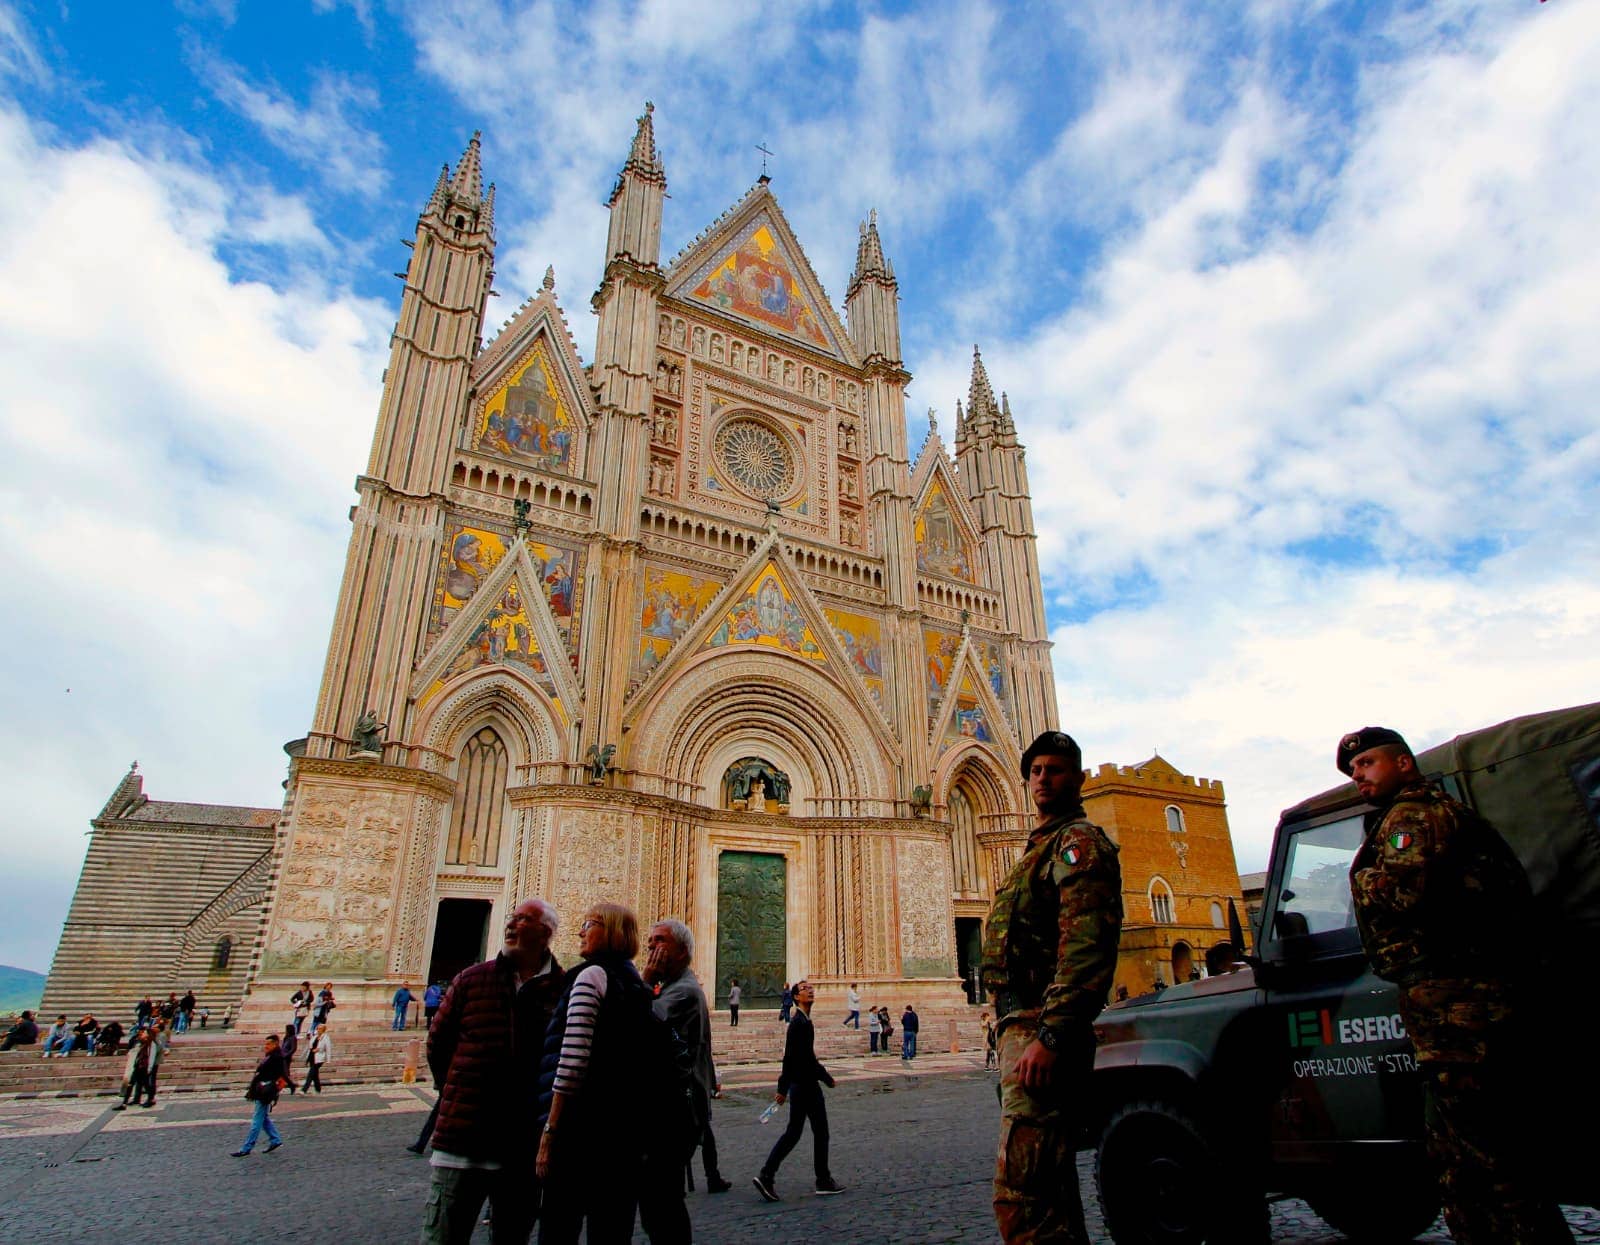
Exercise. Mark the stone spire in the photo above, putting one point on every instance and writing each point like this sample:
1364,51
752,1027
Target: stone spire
466,188
980,394
869,255
872,300
635,203
441,191
488,210
642,157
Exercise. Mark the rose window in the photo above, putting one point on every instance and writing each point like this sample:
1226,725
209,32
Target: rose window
755,457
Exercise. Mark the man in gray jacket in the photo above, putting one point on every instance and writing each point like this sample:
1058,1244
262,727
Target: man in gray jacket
681,1002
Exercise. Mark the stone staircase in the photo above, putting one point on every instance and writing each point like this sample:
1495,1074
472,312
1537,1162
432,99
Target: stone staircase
373,1054
209,1061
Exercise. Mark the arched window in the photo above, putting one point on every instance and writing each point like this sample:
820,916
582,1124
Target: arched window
479,812
964,843
221,954
1175,822
1161,902
1182,963
1216,915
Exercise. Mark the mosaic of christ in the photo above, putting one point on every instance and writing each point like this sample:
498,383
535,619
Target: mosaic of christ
755,281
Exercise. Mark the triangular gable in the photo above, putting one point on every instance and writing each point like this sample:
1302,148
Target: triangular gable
945,534
533,398
752,268
468,559
970,709
767,615
507,623
766,606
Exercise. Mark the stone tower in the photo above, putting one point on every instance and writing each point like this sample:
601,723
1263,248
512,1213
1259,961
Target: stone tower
684,628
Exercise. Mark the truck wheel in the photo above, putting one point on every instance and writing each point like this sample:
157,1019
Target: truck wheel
1374,1216
1160,1183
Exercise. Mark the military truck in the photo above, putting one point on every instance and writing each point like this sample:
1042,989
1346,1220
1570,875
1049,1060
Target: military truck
1293,1076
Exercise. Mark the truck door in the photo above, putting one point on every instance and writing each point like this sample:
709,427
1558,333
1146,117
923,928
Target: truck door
1347,1071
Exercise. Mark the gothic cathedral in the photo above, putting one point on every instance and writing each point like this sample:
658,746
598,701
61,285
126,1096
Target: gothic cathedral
685,628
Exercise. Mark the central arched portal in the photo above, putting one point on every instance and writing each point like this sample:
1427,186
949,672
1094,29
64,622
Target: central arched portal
752,926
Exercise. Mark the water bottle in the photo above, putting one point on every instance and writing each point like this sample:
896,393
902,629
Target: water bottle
772,1110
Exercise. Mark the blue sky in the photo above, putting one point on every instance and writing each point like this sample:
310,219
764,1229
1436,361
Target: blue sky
1296,306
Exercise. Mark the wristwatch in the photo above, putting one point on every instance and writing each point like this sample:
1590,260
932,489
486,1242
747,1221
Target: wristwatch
1048,1038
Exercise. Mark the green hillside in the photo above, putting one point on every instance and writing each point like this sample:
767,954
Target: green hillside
19,989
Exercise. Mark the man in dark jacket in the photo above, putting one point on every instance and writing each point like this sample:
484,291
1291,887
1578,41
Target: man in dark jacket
263,1092
681,1002
803,1076
24,1033
483,1051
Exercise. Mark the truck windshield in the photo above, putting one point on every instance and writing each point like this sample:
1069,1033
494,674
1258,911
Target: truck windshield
1316,879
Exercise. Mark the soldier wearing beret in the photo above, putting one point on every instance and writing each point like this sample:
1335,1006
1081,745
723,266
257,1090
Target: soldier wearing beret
1434,887
1049,953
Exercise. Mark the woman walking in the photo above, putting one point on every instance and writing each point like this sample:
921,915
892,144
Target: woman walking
321,1050
139,1073
591,1150
265,1081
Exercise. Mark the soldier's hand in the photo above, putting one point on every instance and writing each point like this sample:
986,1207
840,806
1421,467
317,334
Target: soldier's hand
780,1099
1037,1067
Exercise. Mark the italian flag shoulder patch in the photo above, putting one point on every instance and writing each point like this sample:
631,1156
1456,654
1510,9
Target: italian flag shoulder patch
1400,840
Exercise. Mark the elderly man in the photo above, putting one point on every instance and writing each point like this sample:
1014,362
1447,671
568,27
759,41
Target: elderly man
483,1051
681,1002
1435,888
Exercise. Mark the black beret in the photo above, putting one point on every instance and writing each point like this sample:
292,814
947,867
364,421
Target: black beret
1357,742
1054,743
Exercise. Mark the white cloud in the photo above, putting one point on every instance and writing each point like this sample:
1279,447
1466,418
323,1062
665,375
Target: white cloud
324,135
1412,377
176,449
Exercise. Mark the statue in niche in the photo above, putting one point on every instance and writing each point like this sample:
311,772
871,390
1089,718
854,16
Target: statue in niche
921,800
752,781
369,734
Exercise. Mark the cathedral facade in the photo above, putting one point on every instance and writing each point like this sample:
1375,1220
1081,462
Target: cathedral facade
686,627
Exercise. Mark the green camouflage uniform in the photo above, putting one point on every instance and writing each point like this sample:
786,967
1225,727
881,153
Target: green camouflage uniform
1439,898
1048,957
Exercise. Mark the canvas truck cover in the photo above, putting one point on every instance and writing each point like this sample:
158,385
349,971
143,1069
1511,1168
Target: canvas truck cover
1537,779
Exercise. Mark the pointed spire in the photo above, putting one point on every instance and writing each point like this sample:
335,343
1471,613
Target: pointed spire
1005,413
980,394
642,157
488,211
869,255
549,282
441,190
467,185
961,418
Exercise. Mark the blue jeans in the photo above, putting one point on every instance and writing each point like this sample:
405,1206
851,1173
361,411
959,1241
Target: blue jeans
908,1045
182,1025
855,1017
400,1016
261,1119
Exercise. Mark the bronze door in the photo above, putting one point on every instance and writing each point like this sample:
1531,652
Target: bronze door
752,934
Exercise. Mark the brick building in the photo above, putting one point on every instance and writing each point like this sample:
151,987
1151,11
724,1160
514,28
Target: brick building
1178,869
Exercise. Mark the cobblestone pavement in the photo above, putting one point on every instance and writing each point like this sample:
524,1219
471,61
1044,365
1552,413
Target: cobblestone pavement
914,1148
